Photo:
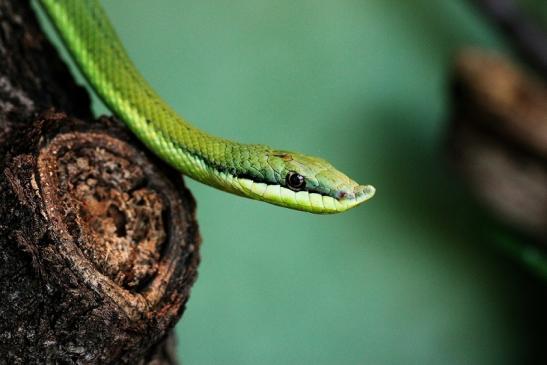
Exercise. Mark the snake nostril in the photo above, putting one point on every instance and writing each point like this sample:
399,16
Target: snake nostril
342,194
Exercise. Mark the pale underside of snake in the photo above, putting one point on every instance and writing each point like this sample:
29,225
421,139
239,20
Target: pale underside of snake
283,178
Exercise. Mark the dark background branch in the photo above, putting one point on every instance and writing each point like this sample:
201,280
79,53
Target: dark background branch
527,36
498,138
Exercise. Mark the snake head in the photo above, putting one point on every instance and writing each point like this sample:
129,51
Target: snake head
302,182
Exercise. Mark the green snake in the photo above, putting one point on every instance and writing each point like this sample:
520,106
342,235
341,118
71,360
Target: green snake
283,178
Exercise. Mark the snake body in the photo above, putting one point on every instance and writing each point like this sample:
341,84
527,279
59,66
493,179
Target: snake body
284,178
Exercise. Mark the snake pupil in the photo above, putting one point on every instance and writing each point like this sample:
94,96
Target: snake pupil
295,181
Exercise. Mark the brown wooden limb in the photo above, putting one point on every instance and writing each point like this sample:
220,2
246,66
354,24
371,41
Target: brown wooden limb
498,138
98,239
32,76
99,245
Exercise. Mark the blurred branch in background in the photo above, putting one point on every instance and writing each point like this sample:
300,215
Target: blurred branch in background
527,36
498,133
498,141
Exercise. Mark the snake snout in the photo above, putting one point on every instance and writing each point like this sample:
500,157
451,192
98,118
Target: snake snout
364,192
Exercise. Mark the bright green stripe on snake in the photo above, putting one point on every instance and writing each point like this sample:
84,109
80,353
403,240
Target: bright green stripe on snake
97,50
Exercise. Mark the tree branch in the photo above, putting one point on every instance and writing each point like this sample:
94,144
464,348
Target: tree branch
98,239
526,35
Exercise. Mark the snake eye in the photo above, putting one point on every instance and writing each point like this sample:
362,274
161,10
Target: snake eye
295,181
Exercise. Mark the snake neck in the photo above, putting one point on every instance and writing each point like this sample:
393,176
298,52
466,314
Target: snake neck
218,162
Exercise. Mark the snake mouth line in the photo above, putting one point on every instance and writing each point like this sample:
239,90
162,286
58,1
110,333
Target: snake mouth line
302,200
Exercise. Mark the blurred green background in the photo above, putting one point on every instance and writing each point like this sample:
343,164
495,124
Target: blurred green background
404,279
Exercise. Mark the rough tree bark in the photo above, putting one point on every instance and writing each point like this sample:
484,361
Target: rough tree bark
98,239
